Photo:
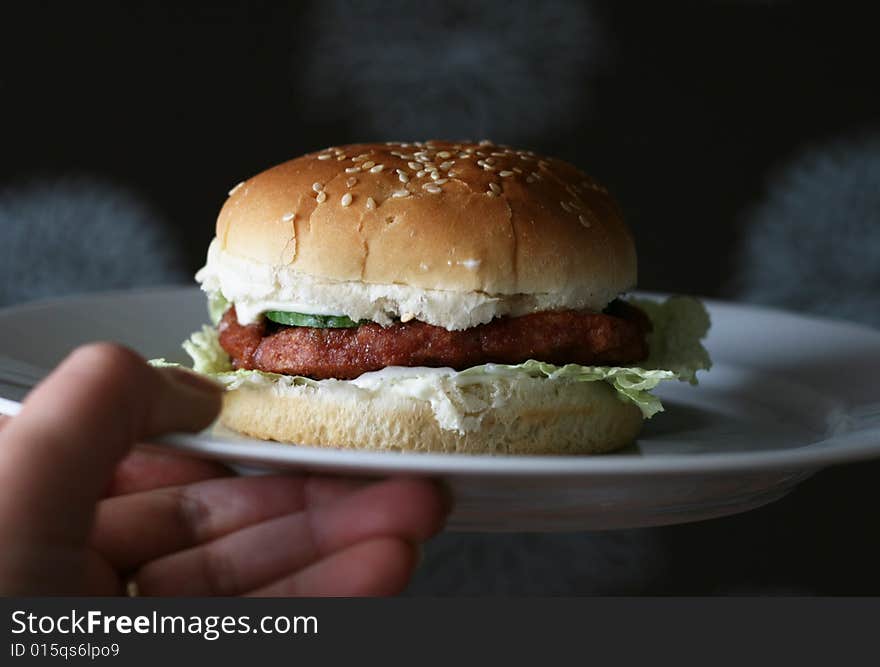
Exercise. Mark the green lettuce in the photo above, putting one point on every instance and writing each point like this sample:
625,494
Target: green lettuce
204,349
679,325
217,305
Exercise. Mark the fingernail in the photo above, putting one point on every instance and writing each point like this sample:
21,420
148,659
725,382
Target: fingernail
194,380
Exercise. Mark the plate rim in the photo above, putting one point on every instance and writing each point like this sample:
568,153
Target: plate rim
848,447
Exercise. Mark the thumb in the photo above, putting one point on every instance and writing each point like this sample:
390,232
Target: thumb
59,453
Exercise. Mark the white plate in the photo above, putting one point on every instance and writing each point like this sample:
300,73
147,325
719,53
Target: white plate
787,396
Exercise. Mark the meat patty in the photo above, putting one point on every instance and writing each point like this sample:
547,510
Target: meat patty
616,337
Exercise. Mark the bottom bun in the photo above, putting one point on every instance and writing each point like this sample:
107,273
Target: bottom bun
549,417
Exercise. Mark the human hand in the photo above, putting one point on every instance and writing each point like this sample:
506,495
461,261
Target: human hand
80,514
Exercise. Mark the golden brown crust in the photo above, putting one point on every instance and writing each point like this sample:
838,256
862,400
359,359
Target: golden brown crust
495,220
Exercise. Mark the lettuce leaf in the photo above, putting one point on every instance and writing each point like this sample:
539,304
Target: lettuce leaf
680,324
632,384
204,349
676,354
217,305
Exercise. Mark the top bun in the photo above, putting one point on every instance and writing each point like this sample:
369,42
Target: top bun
438,215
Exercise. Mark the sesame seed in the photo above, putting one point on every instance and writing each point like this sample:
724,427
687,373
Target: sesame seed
322,197
420,173
352,170
350,181
340,158
446,165
324,156
441,181
496,154
505,173
317,187
368,164
536,176
287,217
414,165
491,193
574,205
371,203
464,155
490,160
565,207
432,188
444,154
397,194
494,187
517,170
338,151
435,175
377,168
584,221
430,167
487,167
235,189
346,199
403,177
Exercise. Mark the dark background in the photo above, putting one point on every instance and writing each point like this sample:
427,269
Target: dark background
681,108
740,138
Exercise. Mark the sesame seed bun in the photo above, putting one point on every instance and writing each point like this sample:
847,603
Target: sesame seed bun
481,222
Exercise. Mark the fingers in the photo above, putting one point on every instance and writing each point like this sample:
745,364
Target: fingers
252,558
382,566
143,471
136,528
58,454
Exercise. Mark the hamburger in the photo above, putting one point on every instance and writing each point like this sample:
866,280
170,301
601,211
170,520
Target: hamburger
435,296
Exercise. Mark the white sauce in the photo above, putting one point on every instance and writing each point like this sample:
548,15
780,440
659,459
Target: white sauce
255,287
